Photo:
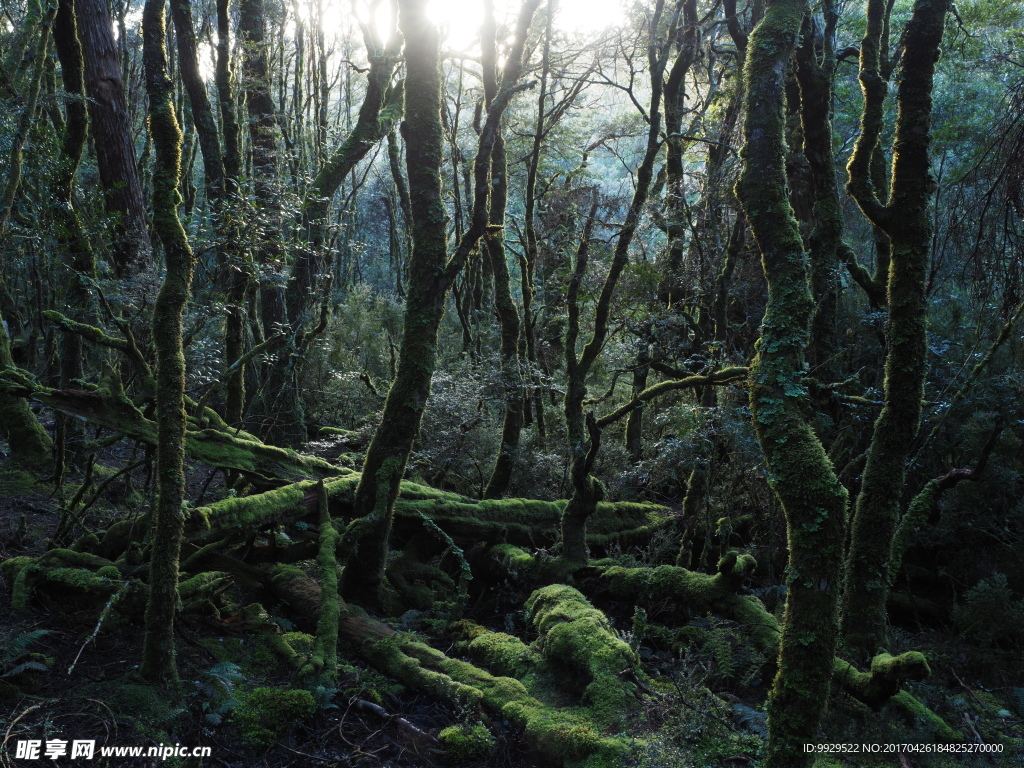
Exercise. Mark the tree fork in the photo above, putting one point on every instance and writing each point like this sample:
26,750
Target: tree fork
907,221
431,274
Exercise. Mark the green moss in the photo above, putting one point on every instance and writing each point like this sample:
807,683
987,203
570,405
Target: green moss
14,566
263,714
467,743
261,510
300,641
18,482
887,673
501,653
696,594
560,735
324,659
577,636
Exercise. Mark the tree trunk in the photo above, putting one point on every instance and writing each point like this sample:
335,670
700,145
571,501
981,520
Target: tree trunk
504,304
112,132
167,521
285,422
70,232
907,222
587,491
28,441
431,274
799,472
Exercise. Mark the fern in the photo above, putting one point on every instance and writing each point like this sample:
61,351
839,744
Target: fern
751,719
17,647
719,646
25,667
218,687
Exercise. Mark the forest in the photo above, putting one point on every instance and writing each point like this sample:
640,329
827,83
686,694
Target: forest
512,383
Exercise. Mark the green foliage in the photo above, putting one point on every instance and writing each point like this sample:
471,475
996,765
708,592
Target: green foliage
215,689
990,614
16,661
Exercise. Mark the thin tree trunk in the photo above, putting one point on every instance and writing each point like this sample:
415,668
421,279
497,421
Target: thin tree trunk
504,304
907,222
158,662
25,122
236,273
584,439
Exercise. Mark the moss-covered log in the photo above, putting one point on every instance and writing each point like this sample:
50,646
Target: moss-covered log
523,522
581,645
569,736
881,687
216,445
690,594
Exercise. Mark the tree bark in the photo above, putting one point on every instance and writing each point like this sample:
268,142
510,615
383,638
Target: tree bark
907,222
112,131
799,471
158,661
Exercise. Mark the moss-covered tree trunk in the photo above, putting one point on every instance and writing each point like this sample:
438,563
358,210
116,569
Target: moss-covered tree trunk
799,472
431,274
815,71
236,273
28,441
504,304
158,661
582,437
71,234
232,261
676,210
906,220
388,452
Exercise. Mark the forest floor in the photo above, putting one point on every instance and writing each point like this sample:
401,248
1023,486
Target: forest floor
704,705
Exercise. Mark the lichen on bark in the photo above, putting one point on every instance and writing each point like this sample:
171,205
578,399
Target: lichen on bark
800,473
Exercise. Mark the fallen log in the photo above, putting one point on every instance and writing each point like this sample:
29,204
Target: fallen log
218,445
518,521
